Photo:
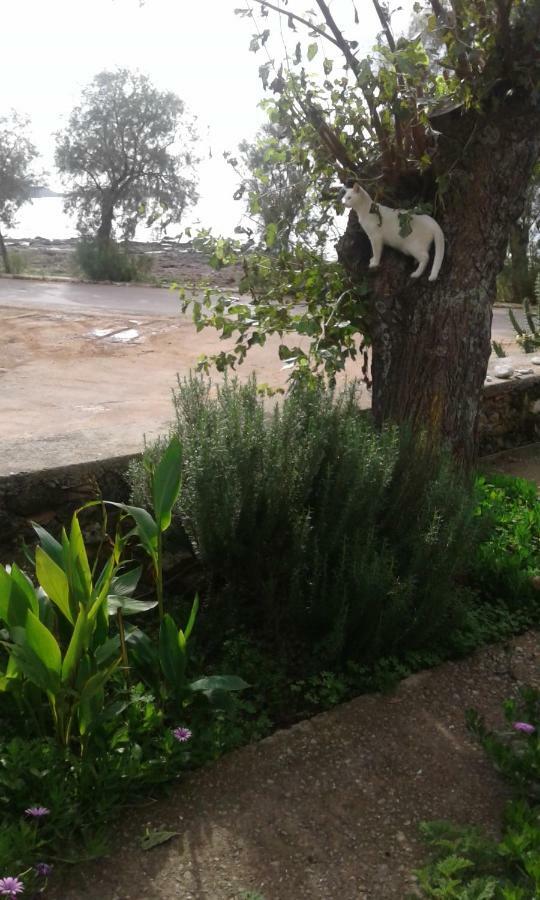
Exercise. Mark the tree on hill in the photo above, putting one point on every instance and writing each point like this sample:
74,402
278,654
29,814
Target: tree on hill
17,177
126,156
458,136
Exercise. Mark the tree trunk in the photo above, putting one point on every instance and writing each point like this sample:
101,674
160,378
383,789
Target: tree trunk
4,255
519,245
431,341
107,216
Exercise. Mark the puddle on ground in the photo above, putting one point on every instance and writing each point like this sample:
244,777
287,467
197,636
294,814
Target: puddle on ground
123,337
101,332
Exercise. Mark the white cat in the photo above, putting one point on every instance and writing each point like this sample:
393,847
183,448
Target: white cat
382,226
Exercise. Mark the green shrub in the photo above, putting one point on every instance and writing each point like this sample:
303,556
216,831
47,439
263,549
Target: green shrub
106,261
16,262
312,527
509,557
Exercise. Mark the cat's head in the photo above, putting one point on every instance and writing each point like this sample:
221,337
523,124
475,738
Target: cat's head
355,195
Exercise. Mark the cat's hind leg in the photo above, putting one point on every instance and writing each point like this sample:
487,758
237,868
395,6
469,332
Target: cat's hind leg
422,259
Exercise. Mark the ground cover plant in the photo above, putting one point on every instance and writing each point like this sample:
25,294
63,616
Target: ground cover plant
470,865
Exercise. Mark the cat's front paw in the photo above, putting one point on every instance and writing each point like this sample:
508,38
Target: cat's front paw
373,264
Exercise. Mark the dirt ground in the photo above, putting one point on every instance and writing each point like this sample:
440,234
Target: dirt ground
71,389
329,809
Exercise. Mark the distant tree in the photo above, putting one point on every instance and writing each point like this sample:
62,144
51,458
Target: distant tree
274,185
17,177
126,156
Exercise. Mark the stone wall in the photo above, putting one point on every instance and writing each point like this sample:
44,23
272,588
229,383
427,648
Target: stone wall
510,413
510,417
49,497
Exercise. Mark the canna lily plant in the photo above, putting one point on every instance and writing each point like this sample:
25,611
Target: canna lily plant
57,636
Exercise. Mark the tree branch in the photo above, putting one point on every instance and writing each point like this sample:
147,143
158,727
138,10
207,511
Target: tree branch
439,11
297,18
339,40
386,25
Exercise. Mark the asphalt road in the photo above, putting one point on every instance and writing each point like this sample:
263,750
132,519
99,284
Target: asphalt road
130,300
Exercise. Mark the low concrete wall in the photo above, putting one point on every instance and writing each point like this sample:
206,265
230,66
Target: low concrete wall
510,417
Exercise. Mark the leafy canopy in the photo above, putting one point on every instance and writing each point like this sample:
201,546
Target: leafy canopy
17,177
378,118
127,154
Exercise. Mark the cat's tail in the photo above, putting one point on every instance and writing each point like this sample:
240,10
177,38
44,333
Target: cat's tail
438,237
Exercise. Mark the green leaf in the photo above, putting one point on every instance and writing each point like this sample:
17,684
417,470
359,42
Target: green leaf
327,66
124,585
312,51
26,587
14,603
192,617
219,683
43,643
54,582
154,838
50,545
146,529
77,645
79,574
271,234
128,605
166,483
171,657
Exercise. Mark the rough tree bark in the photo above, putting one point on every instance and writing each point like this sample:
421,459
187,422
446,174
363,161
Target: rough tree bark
431,341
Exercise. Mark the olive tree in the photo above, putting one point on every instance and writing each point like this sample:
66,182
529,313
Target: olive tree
126,156
457,135
17,177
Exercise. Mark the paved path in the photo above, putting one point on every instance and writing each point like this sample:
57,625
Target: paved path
128,299
87,370
330,809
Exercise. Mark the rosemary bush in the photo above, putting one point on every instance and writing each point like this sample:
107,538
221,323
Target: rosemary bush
312,527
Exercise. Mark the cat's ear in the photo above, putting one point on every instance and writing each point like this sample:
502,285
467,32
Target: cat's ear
356,187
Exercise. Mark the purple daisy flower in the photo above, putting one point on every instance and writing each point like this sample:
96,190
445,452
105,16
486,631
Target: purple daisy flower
37,812
43,869
524,727
10,887
182,734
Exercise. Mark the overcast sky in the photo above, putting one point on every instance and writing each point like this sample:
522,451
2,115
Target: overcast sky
197,49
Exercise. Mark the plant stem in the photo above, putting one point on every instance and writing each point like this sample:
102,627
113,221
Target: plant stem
123,646
159,575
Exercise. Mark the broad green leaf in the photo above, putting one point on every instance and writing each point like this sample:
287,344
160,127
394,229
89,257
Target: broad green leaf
43,643
312,51
14,603
50,545
124,585
79,574
92,698
54,582
146,529
26,587
34,669
192,617
171,656
166,483
128,605
77,645
219,683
